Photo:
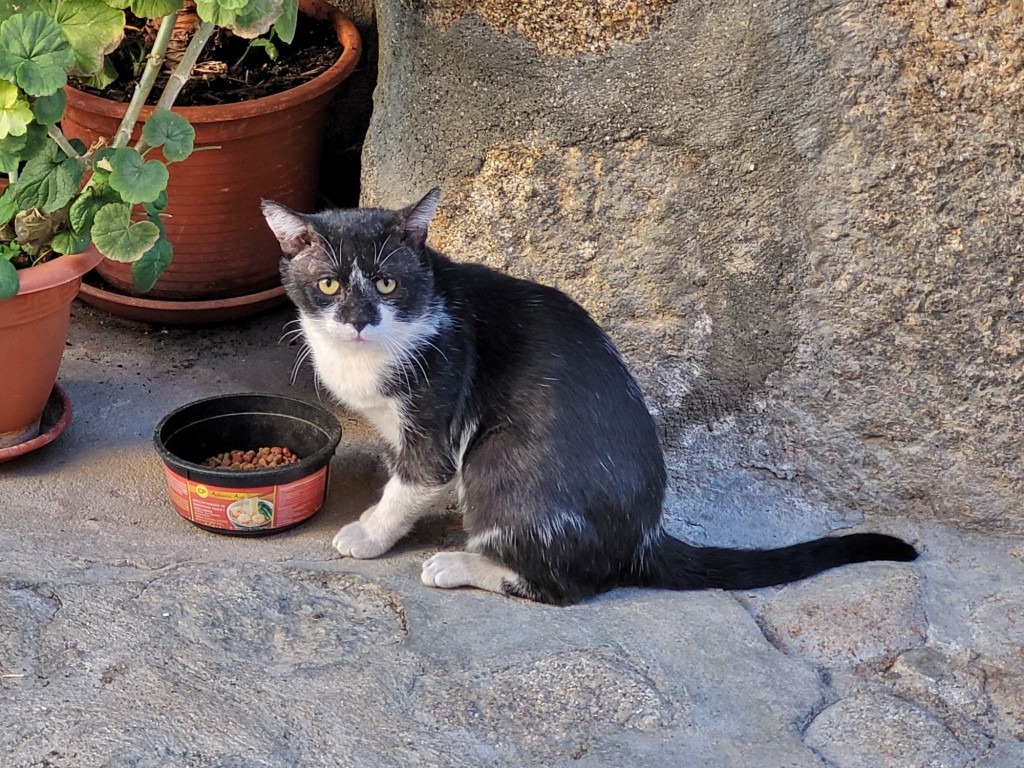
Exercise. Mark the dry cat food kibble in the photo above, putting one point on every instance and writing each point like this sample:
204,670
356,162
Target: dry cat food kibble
262,458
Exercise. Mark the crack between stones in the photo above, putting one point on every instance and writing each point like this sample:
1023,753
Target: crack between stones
829,697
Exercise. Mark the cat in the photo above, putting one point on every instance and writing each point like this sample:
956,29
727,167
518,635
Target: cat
509,391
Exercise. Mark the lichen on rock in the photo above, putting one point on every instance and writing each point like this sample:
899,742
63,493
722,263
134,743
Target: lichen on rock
572,28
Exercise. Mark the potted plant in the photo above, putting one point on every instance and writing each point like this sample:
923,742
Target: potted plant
225,257
71,204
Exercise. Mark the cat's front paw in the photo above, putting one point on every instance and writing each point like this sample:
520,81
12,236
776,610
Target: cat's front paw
438,571
354,540
449,569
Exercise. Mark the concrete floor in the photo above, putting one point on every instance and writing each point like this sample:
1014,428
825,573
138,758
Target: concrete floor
129,637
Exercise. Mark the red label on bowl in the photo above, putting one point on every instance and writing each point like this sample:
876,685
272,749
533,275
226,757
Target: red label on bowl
247,509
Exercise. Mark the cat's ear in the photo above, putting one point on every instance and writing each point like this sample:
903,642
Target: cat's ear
293,231
417,219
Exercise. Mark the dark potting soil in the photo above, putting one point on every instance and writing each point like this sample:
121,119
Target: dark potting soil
230,68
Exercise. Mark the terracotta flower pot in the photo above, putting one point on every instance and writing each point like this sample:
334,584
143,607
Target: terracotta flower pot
262,148
33,331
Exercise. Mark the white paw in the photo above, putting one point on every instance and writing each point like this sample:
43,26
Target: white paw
355,541
368,511
445,570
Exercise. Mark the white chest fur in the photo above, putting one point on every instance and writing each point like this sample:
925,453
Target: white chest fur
354,373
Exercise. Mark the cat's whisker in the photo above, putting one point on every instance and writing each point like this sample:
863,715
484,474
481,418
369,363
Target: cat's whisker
331,252
396,352
301,358
397,364
291,336
419,364
434,346
316,385
407,373
392,253
377,256
401,345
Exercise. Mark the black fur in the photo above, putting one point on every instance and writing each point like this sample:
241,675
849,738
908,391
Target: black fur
562,457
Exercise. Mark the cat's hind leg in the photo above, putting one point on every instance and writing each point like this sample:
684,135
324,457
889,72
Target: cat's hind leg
382,525
448,570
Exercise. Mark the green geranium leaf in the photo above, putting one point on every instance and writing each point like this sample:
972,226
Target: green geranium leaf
119,238
9,9
15,111
257,18
213,11
25,7
101,160
154,9
246,18
70,242
93,29
50,109
172,132
10,153
230,5
285,26
84,209
48,181
155,208
8,208
34,53
104,77
15,150
147,270
135,179
8,279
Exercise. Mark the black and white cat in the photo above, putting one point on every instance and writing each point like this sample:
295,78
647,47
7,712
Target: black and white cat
509,390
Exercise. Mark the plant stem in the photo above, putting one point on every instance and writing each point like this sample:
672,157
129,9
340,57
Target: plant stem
55,133
183,71
154,61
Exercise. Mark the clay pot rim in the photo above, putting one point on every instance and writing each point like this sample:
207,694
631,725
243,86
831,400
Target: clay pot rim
62,269
348,36
180,311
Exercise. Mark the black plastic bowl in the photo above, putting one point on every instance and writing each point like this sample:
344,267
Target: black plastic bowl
247,501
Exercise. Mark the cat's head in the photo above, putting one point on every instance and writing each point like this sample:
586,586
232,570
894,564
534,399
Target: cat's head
357,272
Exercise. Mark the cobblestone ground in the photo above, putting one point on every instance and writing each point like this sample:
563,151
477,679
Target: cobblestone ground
129,637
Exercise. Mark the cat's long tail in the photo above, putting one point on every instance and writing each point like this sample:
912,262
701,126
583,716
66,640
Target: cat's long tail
674,564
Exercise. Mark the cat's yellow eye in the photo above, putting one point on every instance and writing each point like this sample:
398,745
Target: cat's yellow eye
328,286
385,285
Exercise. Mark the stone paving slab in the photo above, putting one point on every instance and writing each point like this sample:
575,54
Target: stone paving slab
129,637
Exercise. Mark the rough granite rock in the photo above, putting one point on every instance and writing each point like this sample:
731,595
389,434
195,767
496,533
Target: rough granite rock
951,683
863,622
801,223
129,637
902,734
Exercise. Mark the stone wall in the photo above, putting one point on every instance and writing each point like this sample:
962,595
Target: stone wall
800,222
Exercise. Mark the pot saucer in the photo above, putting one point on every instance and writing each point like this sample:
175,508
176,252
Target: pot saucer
56,418
173,312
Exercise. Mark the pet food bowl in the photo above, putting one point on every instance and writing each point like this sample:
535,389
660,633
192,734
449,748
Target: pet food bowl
247,502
